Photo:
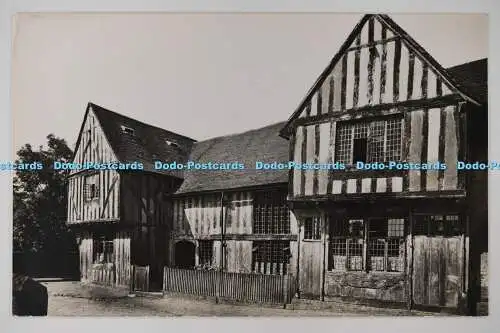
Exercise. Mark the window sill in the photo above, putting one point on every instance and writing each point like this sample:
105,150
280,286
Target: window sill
311,240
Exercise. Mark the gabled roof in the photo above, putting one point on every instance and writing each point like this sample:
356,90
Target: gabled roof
263,144
445,75
147,144
385,20
474,77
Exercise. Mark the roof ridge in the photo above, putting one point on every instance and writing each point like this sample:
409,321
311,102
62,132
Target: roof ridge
242,133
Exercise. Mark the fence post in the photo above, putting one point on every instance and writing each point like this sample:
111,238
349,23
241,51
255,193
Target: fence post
132,276
164,280
285,291
218,279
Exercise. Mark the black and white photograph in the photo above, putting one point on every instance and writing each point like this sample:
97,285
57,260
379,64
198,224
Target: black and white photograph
250,164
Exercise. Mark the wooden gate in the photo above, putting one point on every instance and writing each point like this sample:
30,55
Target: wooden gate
438,270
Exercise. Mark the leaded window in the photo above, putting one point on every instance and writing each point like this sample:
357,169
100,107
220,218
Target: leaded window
369,141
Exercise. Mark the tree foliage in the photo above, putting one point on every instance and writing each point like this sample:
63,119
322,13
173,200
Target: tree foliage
40,199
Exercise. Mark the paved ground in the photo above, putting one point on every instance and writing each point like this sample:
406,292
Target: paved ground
68,298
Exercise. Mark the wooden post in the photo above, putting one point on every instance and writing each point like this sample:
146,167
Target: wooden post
409,259
297,269
366,239
164,287
323,268
474,268
285,290
147,279
196,253
347,256
466,252
218,280
132,277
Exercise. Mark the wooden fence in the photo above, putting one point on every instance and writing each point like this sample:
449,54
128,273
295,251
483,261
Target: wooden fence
103,274
246,287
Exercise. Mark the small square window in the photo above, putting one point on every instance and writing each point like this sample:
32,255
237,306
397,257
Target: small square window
312,229
356,228
91,188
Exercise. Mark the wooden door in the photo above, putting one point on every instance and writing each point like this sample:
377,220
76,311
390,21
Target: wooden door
311,257
438,269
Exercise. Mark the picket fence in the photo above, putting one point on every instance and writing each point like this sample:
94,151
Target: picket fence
245,287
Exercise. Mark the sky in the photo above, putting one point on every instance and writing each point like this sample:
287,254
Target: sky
200,75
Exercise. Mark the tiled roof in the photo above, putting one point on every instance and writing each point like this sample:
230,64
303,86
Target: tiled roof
263,144
147,143
474,76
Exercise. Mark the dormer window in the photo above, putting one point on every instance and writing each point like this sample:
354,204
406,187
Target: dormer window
172,143
127,130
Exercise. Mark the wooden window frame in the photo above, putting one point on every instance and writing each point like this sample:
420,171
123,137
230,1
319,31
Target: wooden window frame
205,252
349,130
271,214
271,257
312,228
437,217
128,130
103,245
341,247
91,187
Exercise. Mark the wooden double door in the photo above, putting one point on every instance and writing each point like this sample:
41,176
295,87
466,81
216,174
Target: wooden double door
438,270
439,260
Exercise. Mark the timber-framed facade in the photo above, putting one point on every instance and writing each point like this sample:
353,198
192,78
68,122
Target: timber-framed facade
401,234
404,236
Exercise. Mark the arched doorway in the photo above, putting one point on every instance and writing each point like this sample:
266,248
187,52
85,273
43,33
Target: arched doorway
185,254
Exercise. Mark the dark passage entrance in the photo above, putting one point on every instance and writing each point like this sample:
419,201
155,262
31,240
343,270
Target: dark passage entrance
185,255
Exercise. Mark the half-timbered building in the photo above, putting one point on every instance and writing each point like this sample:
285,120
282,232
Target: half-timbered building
121,216
405,234
237,220
408,235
